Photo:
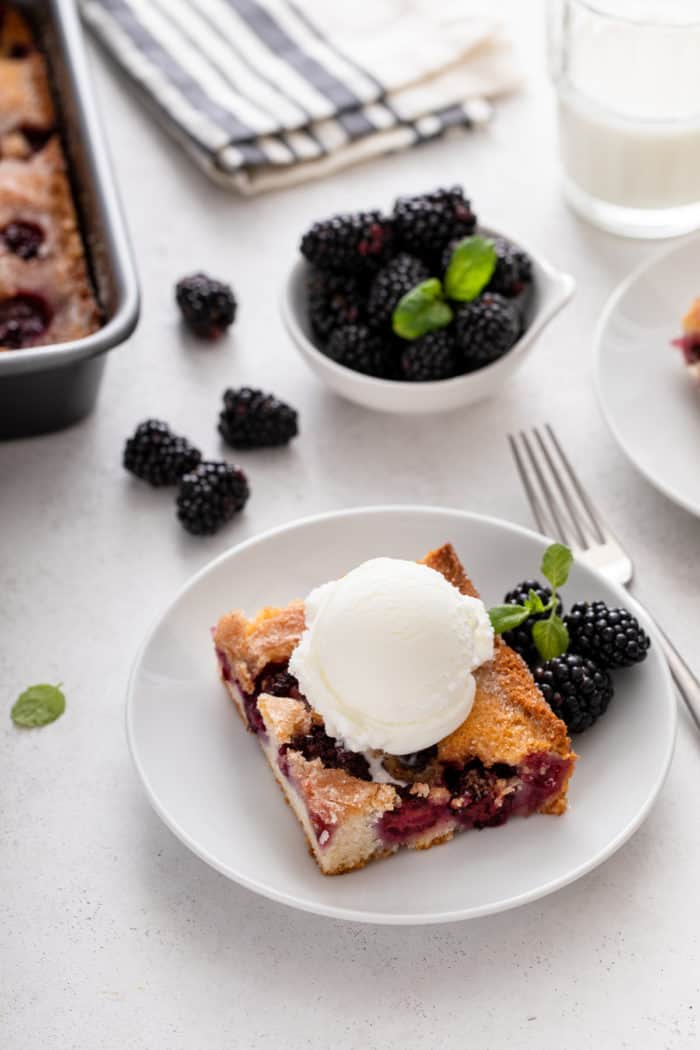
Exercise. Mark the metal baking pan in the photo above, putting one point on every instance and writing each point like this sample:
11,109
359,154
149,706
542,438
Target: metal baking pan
44,388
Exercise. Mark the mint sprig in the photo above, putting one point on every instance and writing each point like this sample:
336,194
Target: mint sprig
421,310
38,705
550,636
470,268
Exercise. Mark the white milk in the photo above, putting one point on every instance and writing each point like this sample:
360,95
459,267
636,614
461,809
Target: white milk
634,164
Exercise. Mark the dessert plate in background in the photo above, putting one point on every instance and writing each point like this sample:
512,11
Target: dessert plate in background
209,781
648,400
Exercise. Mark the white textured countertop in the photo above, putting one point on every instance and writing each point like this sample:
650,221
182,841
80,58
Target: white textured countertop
113,934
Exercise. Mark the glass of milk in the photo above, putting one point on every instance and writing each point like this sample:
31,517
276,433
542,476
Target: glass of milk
627,75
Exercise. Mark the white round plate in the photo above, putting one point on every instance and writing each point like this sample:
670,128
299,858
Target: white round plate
649,401
209,781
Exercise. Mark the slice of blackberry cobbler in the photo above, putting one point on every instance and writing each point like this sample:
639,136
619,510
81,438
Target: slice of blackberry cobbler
689,342
511,756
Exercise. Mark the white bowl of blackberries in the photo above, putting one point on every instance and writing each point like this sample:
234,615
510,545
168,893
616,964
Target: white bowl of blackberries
419,310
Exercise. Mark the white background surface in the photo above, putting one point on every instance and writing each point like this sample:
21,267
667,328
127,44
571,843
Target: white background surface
113,935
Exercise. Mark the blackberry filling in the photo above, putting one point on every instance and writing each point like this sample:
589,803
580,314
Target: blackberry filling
23,238
23,320
689,345
317,744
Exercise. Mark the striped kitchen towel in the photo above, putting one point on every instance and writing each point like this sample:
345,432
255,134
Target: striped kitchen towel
267,93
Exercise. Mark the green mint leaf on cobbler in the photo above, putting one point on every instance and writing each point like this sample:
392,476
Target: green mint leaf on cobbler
556,564
470,268
507,617
534,603
38,705
551,637
421,310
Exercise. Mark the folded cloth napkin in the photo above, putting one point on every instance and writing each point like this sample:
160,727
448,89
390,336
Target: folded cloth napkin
267,93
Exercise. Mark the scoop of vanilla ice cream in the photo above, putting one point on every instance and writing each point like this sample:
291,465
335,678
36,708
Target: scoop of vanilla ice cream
388,653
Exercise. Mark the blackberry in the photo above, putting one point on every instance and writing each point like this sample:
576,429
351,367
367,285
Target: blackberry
401,275
356,346
425,224
513,269
207,306
576,689
520,638
158,456
349,243
317,744
24,318
611,637
333,299
23,238
429,358
253,419
276,681
485,330
209,496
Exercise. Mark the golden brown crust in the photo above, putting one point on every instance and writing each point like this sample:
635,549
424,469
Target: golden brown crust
445,560
333,794
509,719
250,645
34,188
691,321
285,716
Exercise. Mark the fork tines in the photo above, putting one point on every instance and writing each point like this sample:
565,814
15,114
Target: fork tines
559,504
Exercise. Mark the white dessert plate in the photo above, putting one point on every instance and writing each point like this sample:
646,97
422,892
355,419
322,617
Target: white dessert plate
208,780
648,400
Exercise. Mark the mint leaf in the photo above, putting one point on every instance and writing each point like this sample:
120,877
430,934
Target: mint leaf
421,310
38,705
556,563
470,268
534,603
506,617
551,637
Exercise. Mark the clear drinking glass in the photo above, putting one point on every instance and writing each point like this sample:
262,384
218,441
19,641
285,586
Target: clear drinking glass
627,76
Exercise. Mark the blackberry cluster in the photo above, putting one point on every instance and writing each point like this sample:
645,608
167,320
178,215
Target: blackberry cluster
350,243
576,688
317,744
363,264
334,299
275,680
485,329
426,223
393,282
253,419
611,637
429,358
520,638
158,456
208,306
358,347
209,496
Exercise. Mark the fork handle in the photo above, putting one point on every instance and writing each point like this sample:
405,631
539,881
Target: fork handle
686,682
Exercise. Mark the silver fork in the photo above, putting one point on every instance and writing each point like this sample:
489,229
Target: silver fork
563,510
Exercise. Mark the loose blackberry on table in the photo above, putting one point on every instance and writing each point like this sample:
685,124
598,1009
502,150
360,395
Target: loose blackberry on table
391,283
350,243
611,637
576,689
210,495
156,455
485,329
356,346
520,638
430,358
253,419
208,306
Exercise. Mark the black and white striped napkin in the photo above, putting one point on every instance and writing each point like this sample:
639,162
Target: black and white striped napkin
267,93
